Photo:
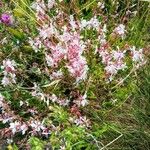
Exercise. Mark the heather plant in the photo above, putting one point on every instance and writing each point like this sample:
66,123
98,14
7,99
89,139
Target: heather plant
66,68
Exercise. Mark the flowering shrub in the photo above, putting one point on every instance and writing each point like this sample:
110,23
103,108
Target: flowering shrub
63,71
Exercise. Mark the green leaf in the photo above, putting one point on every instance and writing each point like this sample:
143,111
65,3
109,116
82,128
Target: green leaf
17,33
146,0
18,12
15,147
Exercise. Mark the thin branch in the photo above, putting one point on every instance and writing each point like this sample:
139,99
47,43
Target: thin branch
111,142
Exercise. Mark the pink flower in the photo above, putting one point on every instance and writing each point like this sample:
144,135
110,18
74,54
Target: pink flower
5,81
72,22
63,102
56,75
82,100
9,65
51,3
82,121
47,31
78,68
1,97
120,30
137,55
118,55
111,69
14,126
57,54
37,126
54,98
6,19
23,128
36,44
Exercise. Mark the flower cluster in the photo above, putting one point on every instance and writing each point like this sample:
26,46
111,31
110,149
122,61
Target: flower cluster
114,61
120,30
65,46
16,124
6,19
138,57
92,23
77,64
9,72
70,68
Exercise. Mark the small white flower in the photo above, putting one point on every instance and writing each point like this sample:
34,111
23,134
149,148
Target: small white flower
37,125
5,81
120,30
72,22
51,3
82,121
54,98
118,55
1,97
56,75
9,141
62,148
111,69
84,101
83,23
101,5
137,56
24,128
7,119
14,126
21,103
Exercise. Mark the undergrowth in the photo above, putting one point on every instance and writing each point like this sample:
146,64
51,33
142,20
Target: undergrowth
74,75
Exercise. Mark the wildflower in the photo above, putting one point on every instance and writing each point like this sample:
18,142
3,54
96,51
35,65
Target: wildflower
120,30
82,100
14,126
72,22
47,31
51,3
6,19
92,23
9,72
32,111
5,81
56,75
83,23
54,98
37,126
9,65
62,147
6,118
137,56
82,121
118,55
46,132
75,110
111,69
101,5
21,103
9,141
36,44
40,7
23,128
78,68
57,54
77,65
63,102
1,97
